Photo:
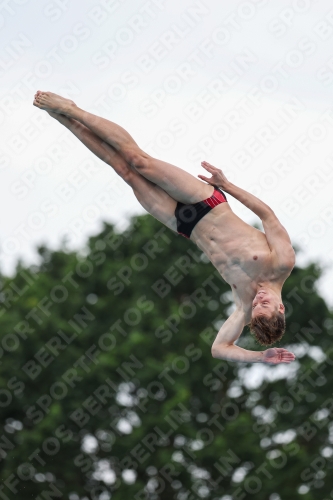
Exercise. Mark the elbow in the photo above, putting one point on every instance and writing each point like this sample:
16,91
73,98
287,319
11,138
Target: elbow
214,352
219,352
267,213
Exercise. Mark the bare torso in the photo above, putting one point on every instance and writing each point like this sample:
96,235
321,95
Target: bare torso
238,251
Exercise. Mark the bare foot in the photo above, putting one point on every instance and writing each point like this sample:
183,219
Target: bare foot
53,103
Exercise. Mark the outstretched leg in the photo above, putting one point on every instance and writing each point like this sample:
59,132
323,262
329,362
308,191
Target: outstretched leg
153,199
179,184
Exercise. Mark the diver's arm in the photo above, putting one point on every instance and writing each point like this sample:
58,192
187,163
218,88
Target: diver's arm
224,347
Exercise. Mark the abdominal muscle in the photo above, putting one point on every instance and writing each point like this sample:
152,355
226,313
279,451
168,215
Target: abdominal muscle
239,252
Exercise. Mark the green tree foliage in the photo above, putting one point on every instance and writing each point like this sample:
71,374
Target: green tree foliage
109,390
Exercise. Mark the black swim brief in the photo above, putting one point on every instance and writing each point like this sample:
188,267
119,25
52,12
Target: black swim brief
188,215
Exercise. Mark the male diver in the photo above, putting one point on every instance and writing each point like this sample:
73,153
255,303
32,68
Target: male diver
255,264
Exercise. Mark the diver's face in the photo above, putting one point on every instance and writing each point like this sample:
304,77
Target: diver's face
266,303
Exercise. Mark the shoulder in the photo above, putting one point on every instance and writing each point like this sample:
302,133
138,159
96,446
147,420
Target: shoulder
284,259
243,302
248,314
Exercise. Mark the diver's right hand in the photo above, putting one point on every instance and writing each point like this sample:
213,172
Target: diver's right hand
276,355
218,178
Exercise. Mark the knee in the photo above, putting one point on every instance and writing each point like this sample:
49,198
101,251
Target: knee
127,175
139,159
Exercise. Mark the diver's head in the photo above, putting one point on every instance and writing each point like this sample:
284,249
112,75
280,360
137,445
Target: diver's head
268,321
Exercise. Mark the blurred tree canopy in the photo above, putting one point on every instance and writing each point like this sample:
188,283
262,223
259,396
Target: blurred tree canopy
109,390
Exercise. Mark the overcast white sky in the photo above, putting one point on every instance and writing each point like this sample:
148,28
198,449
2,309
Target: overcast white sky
245,85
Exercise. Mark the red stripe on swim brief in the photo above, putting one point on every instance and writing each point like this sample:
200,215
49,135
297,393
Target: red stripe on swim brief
215,199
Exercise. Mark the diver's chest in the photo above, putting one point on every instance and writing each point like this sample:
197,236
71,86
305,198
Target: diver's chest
252,263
